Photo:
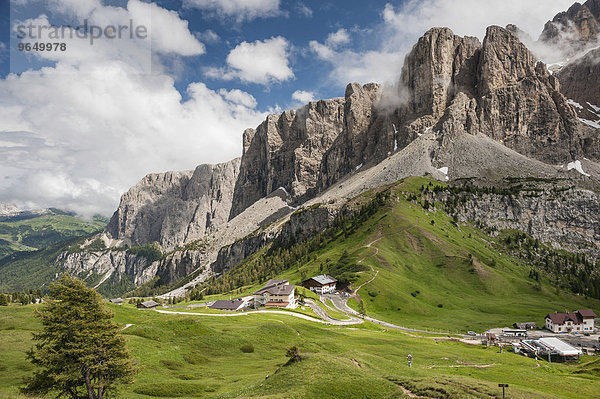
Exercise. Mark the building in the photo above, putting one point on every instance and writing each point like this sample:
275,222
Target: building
514,332
116,301
235,305
323,284
579,321
276,293
530,325
148,305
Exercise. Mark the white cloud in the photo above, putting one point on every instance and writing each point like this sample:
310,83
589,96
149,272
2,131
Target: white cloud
303,96
239,10
471,17
94,135
338,38
239,97
77,135
362,67
208,36
261,62
304,10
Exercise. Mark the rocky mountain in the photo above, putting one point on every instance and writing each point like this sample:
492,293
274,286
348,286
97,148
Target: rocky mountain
576,29
8,209
461,109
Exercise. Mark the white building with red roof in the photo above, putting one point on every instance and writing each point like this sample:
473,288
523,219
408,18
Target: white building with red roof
581,321
276,293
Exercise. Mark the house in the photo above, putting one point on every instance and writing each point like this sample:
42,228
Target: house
148,305
276,293
117,301
235,305
530,325
578,321
322,284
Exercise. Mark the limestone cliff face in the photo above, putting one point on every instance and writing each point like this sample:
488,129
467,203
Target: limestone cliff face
567,220
174,208
304,151
457,85
286,151
574,29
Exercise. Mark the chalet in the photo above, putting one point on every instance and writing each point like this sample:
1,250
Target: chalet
116,301
235,305
323,284
578,321
276,293
148,305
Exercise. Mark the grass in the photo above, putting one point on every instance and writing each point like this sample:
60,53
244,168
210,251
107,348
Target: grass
437,276
201,357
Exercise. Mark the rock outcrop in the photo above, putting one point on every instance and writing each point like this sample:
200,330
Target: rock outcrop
497,88
175,208
574,30
567,219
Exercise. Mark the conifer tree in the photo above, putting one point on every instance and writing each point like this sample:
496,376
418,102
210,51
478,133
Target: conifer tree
79,352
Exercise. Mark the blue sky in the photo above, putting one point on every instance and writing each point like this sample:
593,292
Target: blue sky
299,22
78,128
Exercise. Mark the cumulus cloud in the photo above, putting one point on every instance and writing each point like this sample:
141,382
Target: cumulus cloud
78,134
359,66
261,62
339,38
303,96
238,10
471,17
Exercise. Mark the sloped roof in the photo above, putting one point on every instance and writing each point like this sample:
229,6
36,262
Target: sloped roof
586,313
149,304
324,279
274,286
562,318
559,346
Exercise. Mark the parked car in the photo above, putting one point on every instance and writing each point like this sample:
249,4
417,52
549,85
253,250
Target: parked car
472,333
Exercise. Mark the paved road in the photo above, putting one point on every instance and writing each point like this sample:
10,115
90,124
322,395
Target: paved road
336,322
341,305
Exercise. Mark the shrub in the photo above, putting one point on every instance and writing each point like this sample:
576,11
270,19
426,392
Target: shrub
247,348
440,305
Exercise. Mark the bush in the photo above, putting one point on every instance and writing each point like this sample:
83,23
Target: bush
440,305
373,293
247,348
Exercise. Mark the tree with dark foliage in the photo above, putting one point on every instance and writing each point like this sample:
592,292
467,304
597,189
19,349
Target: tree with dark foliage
79,352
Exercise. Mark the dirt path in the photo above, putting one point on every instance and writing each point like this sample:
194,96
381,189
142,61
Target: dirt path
127,326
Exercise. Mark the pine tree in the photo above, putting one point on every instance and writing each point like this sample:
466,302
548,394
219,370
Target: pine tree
3,300
79,352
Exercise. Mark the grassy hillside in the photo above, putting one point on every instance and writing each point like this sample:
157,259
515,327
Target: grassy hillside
37,232
429,271
192,356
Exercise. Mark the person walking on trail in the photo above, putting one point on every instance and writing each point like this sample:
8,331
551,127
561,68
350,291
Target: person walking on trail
409,358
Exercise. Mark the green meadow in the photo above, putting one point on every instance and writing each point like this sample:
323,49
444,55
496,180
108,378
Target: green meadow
191,356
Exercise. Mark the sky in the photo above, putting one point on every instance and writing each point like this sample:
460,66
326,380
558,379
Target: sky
79,127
